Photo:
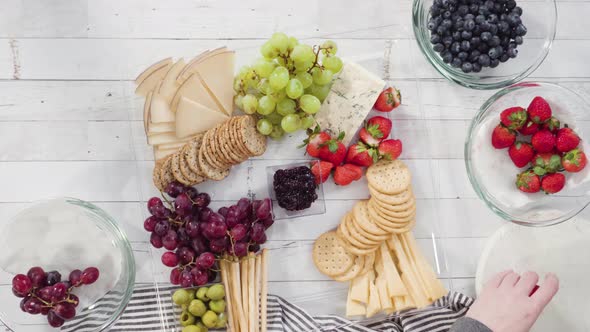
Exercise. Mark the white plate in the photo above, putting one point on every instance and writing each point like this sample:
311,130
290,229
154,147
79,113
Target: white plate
563,249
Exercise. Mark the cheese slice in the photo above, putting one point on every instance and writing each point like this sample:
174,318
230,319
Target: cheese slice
193,118
413,264
169,84
160,154
165,138
408,275
354,308
160,110
186,73
384,297
217,71
172,145
146,110
150,82
163,127
394,282
194,89
374,305
349,101
434,287
359,290
151,69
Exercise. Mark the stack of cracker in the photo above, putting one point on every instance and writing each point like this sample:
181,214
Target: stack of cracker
211,155
375,250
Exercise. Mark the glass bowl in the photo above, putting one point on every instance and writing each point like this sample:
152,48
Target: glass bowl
492,173
540,18
64,234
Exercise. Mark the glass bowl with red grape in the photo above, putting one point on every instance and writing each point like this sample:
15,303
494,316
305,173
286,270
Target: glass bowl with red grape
189,233
65,263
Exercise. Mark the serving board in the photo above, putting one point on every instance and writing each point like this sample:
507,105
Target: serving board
70,123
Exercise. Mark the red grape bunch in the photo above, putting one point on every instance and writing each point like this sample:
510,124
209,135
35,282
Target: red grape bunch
45,293
196,236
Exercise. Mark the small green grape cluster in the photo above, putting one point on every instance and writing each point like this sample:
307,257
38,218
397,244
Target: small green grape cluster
287,86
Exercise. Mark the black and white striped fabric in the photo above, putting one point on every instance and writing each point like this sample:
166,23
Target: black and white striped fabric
150,310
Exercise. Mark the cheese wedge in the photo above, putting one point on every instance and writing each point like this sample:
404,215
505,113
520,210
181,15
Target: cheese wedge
164,139
160,154
394,282
384,297
185,73
146,110
150,82
354,308
169,84
408,275
374,305
412,260
151,69
160,110
194,89
359,290
164,127
217,72
193,118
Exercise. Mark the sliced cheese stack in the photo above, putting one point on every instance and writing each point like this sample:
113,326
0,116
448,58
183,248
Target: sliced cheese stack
183,99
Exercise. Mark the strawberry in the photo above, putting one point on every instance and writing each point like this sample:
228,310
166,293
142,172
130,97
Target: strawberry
390,149
333,150
528,182
529,128
567,139
379,127
361,155
521,153
347,173
503,137
574,161
553,183
315,139
545,163
321,170
514,117
366,137
389,99
539,110
543,141
552,125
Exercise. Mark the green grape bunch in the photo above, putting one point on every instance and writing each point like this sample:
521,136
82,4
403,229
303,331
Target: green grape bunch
285,88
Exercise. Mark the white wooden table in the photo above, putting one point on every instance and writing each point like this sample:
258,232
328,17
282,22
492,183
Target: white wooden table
71,125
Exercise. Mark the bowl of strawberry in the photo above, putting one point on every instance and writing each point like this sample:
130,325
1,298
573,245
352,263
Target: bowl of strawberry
525,153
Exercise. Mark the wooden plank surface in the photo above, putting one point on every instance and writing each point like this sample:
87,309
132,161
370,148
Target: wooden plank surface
71,125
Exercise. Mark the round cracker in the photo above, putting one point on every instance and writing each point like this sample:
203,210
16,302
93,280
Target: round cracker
175,167
383,219
352,230
344,234
166,176
235,142
330,256
219,153
400,229
254,141
397,199
392,214
357,251
208,148
354,271
185,169
223,140
192,157
395,207
364,222
389,177
156,176
210,171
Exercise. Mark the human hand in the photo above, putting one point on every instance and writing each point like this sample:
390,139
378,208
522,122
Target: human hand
504,305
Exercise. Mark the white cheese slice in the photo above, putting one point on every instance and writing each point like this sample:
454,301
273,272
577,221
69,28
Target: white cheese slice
165,139
193,118
164,127
360,288
186,73
194,89
384,298
160,110
354,308
173,145
169,84
374,305
217,72
148,80
160,154
350,99
146,110
394,282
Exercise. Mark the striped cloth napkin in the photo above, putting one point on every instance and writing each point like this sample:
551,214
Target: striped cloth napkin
148,312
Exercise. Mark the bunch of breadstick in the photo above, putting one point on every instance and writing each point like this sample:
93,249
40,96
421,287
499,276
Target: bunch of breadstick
246,285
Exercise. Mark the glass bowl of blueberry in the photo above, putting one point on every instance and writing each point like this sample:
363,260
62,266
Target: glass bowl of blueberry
485,44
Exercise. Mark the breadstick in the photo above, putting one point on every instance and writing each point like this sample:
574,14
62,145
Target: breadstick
228,296
245,301
264,290
251,297
235,281
258,263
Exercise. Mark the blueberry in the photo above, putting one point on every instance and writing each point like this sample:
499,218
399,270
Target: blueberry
517,10
495,41
434,10
485,26
494,63
493,18
518,40
463,56
504,57
479,19
483,48
463,9
498,8
445,3
431,25
465,45
474,55
440,30
520,30
514,19
456,62
435,38
452,8
447,57
456,36
493,29
458,23
469,25
489,4
475,41
447,14
455,48
438,47
447,23
504,41
447,41
493,53
438,3
476,67
467,67
510,4
503,17
466,35
484,10
503,27
486,36
469,17
484,60
474,8
512,52
500,49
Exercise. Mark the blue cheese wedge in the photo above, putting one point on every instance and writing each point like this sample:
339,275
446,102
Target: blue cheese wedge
351,98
